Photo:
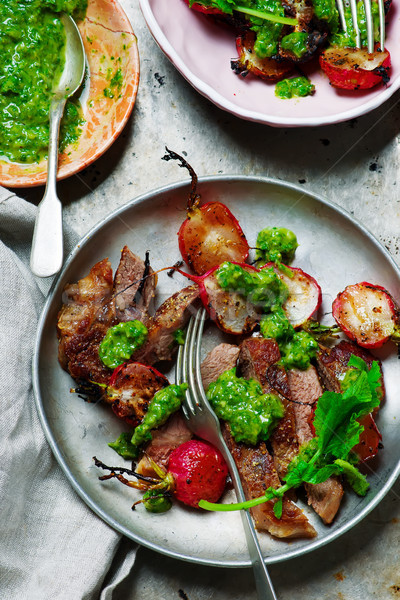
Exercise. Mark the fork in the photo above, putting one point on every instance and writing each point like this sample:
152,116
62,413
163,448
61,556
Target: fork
368,20
204,423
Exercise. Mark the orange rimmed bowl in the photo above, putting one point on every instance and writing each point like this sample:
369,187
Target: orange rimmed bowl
110,43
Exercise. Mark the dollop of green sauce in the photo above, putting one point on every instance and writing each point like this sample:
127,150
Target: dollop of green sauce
252,415
263,288
32,44
164,403
121,341
294,87
276,244
296,43
297,348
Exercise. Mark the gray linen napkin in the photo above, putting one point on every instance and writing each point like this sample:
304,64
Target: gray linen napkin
51,545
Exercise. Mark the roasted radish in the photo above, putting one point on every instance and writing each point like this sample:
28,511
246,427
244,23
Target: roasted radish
355,68
367,314
196,470
131,388
305,294
210,234
248,61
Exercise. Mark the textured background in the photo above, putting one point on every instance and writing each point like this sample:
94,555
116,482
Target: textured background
354,164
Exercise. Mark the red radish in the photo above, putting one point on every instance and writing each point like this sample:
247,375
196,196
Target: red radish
367,314
131,388
355,68
370,439
231,311
211,234
199,472
196,470
305,294
204,9
235,314
248,62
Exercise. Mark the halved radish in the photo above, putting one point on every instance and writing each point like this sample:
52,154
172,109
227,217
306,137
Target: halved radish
367,314
248,62
211,234
131,388
231,311
305,294
355,68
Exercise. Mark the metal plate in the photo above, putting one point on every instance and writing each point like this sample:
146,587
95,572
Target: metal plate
333,248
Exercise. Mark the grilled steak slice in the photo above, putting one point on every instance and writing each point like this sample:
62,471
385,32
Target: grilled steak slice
332,365
257,360
170,316
131,389
134,285
88,311
164,440
220,359
325,498
257,473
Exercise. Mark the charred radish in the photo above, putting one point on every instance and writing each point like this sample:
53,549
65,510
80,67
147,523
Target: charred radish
367,314
132,387
355,68
196,470
210,234
248,61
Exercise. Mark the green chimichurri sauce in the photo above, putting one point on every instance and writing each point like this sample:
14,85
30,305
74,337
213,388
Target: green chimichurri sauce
263,288
32,42
164,403
275,244
121,341
252,415
295,87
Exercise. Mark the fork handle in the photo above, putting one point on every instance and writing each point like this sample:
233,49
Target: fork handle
265,590
264,586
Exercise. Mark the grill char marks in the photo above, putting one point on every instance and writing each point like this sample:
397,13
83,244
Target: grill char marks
257,473
173,314
257,468
257,360
88,311
325,498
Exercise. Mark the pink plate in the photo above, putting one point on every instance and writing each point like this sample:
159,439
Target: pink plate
107,36
202,50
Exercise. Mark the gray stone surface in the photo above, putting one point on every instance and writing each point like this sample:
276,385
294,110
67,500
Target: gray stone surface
354,164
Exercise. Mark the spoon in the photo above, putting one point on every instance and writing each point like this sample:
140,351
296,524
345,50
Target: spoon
47,243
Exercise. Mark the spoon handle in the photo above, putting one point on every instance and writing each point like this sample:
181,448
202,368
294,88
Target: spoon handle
47,243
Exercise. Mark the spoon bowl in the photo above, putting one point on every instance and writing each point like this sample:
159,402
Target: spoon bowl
47,243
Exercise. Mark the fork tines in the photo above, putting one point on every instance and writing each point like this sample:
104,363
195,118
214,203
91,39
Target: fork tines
341,4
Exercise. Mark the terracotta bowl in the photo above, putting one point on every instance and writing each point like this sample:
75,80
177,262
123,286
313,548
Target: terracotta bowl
107,36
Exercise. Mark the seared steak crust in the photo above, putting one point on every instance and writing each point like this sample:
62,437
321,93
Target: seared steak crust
88,311
173,314
257,473
257,360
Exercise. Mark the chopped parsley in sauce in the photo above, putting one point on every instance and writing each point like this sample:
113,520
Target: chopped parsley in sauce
32,48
